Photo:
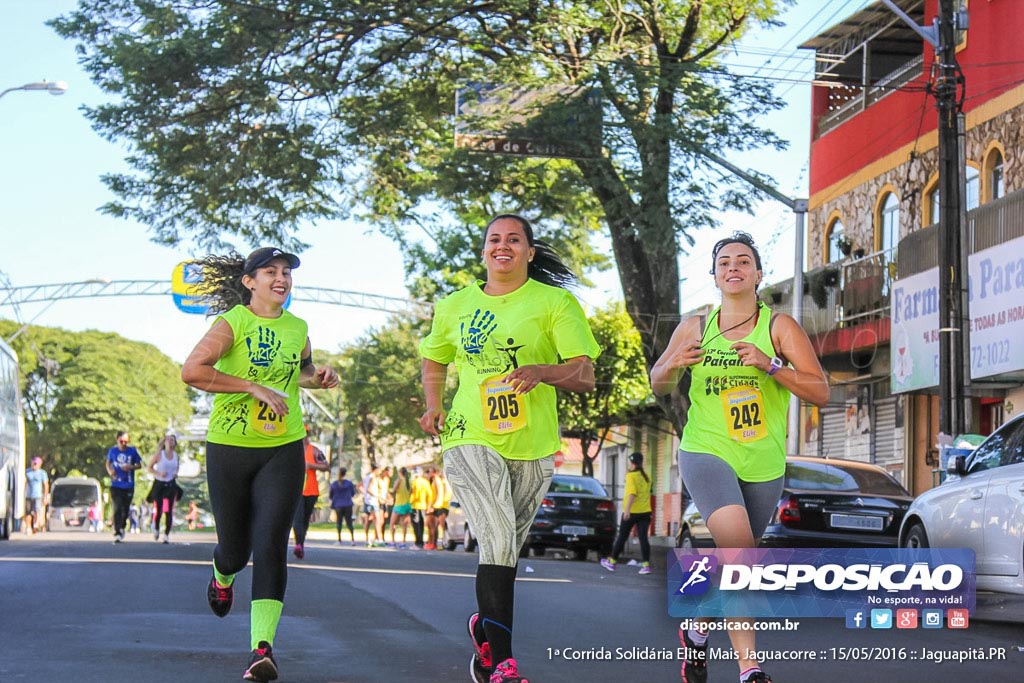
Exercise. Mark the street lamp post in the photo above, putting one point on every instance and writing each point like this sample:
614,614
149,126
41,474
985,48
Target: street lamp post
52,87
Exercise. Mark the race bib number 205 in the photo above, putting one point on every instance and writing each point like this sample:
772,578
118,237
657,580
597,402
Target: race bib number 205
504,410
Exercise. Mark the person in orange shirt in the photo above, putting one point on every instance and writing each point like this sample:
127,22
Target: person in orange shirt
316,461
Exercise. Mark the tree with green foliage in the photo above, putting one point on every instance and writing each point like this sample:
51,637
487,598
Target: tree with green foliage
80,388
250,118
380,383
621,384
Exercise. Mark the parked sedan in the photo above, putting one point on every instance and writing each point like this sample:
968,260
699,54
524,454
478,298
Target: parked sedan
825,503
577,514
979,506
457,530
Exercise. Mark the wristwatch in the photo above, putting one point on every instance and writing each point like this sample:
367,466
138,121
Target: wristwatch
776,365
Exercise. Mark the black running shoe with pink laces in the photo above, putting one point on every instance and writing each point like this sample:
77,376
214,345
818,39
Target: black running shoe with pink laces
262,666
695,664
758,677
220,598
481,664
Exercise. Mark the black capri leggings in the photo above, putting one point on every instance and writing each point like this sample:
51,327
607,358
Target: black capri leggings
253,495
641,520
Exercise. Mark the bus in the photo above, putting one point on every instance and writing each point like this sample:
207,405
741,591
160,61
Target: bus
12,443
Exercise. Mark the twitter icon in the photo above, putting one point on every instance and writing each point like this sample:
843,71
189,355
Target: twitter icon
881,618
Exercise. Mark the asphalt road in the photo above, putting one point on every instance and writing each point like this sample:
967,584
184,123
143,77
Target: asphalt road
75,607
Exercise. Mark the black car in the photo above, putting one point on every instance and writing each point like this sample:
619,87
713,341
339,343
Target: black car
577,514
825,503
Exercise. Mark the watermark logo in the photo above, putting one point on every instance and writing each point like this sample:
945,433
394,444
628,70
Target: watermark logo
957,618
820,582
906,618
881,618
697,579
856,618
931,618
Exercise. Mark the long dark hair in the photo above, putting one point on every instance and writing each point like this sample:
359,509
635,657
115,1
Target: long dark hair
405,475
221,288
547,265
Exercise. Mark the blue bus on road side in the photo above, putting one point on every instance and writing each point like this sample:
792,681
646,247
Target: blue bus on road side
12,443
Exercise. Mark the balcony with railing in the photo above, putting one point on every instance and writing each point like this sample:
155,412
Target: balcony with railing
847,101
845,304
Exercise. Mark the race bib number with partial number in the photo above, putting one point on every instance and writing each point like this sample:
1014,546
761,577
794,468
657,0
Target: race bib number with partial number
265,421
744,414
503,409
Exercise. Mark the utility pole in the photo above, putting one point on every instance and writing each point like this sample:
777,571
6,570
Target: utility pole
954,318
953,321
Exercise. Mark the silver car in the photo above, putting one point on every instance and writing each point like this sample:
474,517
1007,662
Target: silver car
980,506
456,530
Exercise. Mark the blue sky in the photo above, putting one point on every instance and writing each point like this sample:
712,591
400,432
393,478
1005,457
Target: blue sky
51,162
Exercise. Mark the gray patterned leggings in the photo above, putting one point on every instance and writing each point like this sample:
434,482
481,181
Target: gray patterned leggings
500,497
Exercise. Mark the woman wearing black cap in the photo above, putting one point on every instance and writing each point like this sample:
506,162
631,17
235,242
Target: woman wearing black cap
254,358
636,511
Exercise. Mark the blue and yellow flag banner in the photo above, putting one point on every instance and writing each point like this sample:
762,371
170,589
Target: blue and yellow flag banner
184,280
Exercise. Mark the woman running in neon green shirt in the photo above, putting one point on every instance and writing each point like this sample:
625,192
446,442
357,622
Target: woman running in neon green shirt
732,457
514,339
254,359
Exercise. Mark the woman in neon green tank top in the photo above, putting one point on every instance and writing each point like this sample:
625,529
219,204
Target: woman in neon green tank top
745,362
514,340
253,359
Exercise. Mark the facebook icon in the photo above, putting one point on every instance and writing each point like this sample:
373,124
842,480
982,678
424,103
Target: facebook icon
855,618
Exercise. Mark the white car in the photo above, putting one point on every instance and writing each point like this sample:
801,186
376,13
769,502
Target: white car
979,506
457,530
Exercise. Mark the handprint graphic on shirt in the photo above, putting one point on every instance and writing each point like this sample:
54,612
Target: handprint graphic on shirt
263,349
476,335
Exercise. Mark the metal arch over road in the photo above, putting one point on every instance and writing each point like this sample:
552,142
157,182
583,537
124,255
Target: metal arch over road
15,296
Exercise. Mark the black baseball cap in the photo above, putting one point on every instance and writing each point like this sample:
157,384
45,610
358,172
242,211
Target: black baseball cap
265,255
636,458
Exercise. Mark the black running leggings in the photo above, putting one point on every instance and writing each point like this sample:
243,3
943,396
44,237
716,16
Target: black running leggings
253,495
303,512
640,520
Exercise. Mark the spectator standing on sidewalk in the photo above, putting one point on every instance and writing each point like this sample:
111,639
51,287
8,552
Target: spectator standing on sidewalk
371,505
401,490
122,461
316,461
254,359
636,512
341,493
419,501
514,338
745,361
37,494
442,499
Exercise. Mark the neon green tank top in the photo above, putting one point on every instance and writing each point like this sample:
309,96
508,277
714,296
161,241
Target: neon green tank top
266,351
737,412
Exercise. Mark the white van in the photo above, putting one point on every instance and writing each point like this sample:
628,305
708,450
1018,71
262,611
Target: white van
70,500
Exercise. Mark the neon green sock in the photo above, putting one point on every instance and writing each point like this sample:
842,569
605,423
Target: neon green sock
224,580
263,618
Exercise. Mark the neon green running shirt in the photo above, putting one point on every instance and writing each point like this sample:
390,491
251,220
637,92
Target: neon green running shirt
489,336
266,351
737,412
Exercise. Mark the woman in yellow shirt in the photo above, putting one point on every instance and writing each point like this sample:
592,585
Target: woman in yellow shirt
636,512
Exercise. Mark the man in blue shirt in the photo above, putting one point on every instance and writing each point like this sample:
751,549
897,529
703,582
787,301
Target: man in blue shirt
122,461
36,493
